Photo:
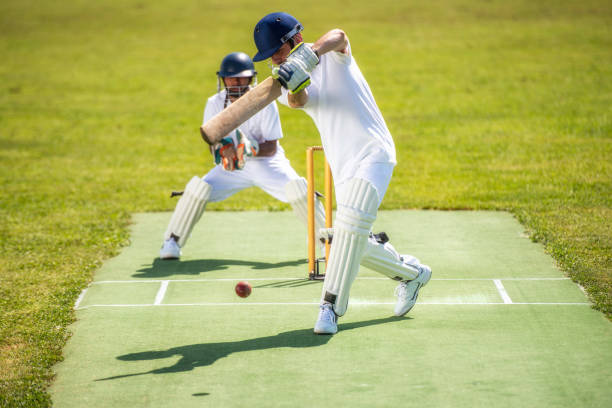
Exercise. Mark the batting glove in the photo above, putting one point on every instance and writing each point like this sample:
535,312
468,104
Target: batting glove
292,75
305,54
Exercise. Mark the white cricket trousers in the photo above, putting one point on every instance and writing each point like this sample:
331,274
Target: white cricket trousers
271,174
379,174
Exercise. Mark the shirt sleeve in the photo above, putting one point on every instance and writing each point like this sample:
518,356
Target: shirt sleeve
209,111
212,108
341,57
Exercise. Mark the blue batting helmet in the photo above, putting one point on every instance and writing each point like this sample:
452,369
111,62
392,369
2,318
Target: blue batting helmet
237,64
272,31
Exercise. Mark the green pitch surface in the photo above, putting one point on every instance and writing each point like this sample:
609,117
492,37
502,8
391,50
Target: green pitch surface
498,325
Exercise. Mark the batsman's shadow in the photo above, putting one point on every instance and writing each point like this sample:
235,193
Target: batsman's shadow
205,354
165,268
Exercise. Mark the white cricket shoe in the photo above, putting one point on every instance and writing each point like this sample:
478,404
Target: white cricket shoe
407,291
327,321
170,249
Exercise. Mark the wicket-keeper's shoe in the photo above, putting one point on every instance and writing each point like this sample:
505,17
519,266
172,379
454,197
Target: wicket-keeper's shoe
407,291
170,249
327,321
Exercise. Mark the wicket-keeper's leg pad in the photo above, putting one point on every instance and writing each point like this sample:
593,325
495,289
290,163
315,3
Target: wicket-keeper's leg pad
188,210
297,195
383,258
354,218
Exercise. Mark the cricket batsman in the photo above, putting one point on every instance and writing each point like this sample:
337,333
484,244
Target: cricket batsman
249,156
324,81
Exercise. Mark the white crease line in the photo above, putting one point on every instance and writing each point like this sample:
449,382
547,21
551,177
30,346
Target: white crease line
80,299
307,280
204,280
352,304
501,279
502,291
161,293
552,303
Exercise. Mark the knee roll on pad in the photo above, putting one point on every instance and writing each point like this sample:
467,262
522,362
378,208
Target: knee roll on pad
297,195
354,218
188,210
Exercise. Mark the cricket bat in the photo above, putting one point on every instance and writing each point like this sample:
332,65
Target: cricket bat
239,111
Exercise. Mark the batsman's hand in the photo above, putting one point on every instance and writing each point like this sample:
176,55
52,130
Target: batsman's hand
225,154
292,75
306,55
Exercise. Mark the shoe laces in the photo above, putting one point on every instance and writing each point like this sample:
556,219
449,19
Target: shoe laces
402,289
327,314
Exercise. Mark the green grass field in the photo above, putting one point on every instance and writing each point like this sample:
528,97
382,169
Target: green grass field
493,105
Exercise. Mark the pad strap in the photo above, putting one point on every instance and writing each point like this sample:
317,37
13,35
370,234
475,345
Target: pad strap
188,210
383,258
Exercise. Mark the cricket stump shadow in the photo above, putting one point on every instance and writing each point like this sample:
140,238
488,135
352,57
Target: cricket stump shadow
205,354
166,268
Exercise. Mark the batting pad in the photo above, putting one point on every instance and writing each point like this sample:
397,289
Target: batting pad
354,218
297,195
383,258
188,210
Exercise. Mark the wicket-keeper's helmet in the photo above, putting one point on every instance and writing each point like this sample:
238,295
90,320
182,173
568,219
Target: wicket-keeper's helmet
237,64
272,31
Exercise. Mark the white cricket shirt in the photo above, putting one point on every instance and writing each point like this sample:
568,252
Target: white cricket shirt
353,131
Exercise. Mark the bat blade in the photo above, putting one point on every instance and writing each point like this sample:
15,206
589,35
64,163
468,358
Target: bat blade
240,111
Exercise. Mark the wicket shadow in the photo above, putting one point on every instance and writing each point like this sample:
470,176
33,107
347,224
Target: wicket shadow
293,283
205,354
165,268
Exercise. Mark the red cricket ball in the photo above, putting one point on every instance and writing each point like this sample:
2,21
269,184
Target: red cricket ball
243,289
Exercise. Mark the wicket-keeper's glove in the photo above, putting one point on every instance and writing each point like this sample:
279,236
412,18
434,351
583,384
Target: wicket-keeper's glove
251,146
225,153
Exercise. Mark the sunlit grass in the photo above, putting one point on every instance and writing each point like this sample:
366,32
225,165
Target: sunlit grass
492,104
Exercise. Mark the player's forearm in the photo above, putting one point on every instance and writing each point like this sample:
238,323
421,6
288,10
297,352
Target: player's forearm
298,99
334,40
